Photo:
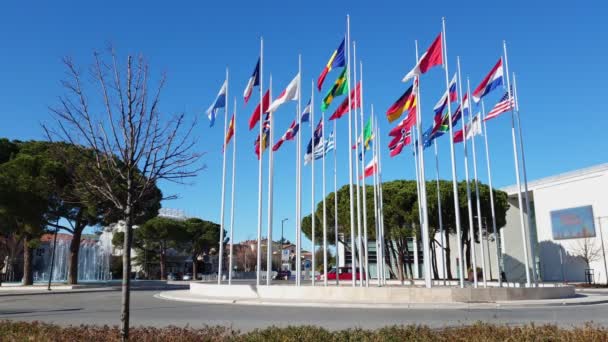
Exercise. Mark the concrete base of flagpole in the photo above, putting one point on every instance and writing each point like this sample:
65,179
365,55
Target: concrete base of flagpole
390,295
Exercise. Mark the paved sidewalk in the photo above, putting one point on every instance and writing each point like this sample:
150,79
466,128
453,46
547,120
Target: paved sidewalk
581,299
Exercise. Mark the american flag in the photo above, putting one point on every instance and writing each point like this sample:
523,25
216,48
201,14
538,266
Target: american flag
504,105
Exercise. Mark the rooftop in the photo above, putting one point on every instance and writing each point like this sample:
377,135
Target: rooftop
588,172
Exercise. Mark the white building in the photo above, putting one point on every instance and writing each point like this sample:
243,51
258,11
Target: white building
567,210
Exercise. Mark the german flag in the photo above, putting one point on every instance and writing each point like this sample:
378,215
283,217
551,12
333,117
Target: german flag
406,102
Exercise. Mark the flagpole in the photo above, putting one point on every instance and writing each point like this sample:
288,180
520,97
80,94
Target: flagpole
441,232
350,158
381,200
336,198
312,185
454,179
425,217
299,208
232,196
221,254
270,193
523,165
260,157
466,176
364,195
376,222
324,197
358,192
483,258
516,158
495,230
416,274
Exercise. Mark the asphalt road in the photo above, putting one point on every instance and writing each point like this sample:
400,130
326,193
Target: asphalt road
103,308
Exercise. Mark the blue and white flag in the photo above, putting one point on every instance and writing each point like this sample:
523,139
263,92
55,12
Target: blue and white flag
322,148
306,113
220,102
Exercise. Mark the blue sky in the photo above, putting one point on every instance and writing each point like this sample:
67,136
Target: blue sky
555,47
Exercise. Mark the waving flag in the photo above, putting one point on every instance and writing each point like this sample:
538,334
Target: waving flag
504,105
314,142
289,94
322,149
230,132
265,137
257,113
490,82
406,102
254,81
452,94
343,108
339,88
335,61
306,113
432,57
220,102
289,135
473,129
370,168
368,134
458,112
406,123
397,144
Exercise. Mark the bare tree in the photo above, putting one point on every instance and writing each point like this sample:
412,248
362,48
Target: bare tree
114,112
587,250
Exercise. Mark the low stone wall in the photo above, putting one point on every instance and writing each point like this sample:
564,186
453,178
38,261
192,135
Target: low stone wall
389,295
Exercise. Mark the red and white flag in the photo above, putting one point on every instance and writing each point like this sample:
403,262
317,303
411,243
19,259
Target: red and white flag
370,168
432,57
290,93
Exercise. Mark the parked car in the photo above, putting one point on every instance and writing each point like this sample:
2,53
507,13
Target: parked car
283,274
173,276
187,276
344,273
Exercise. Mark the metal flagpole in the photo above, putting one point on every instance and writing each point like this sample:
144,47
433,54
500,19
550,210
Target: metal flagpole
376,223
350,157
441,233
358,192
425,217
232,197
336,199
454,179
299,182
270,193
523,165
221,254
312,186
483,253
516,158
416,274
260,157
466,175
364,194
381,201
494,229
324,197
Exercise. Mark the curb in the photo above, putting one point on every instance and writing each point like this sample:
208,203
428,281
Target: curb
166,295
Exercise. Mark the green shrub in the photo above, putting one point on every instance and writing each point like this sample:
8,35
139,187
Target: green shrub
36,331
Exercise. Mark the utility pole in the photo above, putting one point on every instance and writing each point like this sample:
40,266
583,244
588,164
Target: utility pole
55,248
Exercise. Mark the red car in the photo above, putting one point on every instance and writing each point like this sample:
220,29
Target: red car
344,273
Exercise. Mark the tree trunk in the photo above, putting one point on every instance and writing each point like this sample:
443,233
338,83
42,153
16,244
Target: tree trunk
409,263
126,268
74,251
194,266
387,260
448,259
163,252
397,258
28,273
434,260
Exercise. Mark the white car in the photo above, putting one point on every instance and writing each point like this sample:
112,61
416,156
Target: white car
187,277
